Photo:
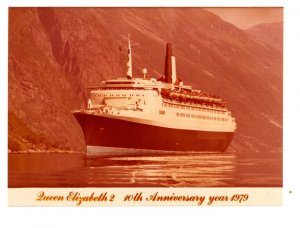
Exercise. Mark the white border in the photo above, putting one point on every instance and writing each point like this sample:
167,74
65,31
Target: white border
183,216
144,3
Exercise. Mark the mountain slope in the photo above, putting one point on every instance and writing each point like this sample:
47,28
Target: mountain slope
268,33
55,52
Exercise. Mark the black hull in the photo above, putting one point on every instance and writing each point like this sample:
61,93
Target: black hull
107,132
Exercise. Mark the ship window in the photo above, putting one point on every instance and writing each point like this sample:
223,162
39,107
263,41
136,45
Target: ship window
162,112
182,114
122,82
177,114
193,116
187,115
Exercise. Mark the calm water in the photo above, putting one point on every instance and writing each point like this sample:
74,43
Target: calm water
188,169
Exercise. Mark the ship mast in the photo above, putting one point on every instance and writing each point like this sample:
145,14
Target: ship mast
129,63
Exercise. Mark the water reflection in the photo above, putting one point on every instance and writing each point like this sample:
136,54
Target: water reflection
175,169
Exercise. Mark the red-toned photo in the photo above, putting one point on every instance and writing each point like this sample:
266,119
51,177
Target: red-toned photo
145,97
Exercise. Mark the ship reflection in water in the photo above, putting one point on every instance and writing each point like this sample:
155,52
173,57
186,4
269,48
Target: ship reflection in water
174,169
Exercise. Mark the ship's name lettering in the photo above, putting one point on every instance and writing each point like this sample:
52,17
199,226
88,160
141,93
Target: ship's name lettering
76,197
41,196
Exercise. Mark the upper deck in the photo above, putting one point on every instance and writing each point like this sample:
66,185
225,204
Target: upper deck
124,83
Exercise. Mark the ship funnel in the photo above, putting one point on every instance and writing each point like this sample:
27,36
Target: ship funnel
168,64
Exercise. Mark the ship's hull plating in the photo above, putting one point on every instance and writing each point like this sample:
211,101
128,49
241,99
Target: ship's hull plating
100,131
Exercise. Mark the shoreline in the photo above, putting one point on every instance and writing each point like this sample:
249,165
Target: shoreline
30,151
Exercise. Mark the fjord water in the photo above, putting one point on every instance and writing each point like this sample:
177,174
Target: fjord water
172,169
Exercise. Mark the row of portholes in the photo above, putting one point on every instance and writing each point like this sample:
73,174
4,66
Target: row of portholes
200,117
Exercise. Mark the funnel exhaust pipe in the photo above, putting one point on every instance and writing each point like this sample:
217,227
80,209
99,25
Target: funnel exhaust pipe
168,64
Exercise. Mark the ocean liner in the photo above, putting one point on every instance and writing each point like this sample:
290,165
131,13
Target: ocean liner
134,113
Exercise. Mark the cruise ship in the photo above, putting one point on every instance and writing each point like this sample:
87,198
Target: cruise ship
144,113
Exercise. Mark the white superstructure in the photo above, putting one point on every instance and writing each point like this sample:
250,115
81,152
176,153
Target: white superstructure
141,100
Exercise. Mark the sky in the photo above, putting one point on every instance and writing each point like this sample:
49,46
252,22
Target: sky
246,17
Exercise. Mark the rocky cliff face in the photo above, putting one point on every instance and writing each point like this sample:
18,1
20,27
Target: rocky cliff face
55,52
